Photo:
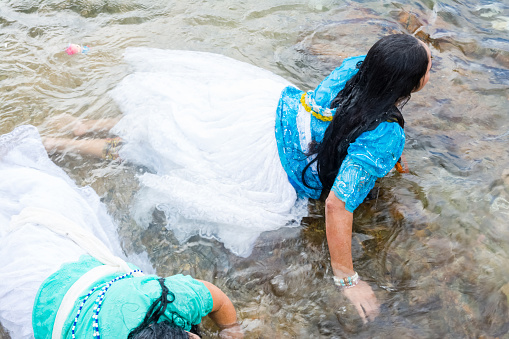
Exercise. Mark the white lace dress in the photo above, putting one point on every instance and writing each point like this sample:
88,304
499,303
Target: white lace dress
31,253
203,124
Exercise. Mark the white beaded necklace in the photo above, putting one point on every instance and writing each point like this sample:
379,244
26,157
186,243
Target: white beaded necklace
97,304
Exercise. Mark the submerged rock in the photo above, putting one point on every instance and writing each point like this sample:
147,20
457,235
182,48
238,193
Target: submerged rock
505,177
3,333
279,285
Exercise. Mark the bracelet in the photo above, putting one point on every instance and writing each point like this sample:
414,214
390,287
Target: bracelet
347,282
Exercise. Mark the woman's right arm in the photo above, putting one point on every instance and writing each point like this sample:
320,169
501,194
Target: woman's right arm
338,223
223,313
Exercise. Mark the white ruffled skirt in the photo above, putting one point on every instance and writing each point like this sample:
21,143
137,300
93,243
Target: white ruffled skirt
31,253
203,124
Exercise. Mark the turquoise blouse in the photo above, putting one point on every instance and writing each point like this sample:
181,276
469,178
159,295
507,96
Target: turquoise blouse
125,304
372,155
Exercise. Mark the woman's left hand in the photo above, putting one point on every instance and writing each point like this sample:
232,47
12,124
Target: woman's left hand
338,223
364,300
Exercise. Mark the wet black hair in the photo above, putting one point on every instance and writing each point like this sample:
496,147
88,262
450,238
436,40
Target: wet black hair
392,69
162,330
150,328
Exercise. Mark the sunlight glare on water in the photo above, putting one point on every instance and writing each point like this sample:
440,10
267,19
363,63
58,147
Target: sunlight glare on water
434,244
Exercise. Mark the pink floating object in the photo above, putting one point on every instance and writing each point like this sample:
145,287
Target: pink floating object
73,49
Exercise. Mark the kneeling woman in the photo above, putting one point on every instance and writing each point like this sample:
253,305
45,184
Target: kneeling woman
63,273
230,147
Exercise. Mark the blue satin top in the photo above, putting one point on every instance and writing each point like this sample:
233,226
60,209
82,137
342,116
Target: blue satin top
372,155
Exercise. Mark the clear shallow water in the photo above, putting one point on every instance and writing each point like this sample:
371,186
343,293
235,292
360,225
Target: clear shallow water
434,245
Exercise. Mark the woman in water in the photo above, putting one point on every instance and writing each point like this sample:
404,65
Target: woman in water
204,126
62,273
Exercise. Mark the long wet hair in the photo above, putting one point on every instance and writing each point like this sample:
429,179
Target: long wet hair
392,69
162,330
150,328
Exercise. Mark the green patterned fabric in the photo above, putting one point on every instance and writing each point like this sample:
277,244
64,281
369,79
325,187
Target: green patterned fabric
124,306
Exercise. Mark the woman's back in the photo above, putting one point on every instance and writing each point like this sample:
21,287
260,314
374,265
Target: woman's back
301,121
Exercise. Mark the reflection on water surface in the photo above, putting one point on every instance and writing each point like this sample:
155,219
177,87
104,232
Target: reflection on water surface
433,243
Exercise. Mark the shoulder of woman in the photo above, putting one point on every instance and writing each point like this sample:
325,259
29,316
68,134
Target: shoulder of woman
352,61
198,298
384,132
347,68
379,149
184,280
186,284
